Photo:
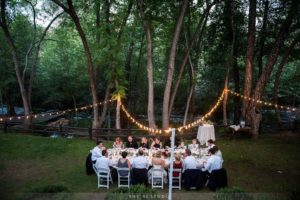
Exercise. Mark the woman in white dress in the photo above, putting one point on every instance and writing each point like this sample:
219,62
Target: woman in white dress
158,163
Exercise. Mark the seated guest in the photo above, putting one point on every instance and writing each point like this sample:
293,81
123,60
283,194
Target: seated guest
167,142
217,177
214,162
194,144
139,169
118,143
97,151
177,164
181,145
218,152
123,163
192,175
144,143
103,162
156,143
158,163
189,161
210,144
131,143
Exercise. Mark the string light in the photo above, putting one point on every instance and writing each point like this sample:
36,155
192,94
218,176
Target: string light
54,113
266,103
140,125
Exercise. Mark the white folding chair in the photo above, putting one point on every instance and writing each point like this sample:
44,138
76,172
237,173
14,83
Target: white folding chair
176,181
157,178
123,181
104,177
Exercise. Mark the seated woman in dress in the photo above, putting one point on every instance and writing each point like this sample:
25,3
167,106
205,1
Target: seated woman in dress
118,143
123,163
158,163
144,143
194,144
181,145
177,164
156,143
131,143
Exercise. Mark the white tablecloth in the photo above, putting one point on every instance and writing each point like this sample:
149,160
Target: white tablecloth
115,155
205,133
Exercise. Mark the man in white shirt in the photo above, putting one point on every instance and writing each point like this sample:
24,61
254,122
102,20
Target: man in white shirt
214,162
140,162
189,161
97,151
103,162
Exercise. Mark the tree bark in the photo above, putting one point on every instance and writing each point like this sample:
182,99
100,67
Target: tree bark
198,34
249,57
15,56
260,86
236,77
263,37
171,63
105,106
231,31
191,91
147,29
90,66
279,72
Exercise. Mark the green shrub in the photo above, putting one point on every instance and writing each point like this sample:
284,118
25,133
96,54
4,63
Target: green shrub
134,192
233,193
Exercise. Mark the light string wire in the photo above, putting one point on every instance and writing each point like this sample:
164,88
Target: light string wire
188,126
265,103
33,116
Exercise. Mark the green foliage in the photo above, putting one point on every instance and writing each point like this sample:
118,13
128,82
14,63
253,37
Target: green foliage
233,193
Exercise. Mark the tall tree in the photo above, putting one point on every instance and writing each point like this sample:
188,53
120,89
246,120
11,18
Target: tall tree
231,34
196,36
280,69
171,63
14,52
249,58
263,35
261,83
147,29
69,8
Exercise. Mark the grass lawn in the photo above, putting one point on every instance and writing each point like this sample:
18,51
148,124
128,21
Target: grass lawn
269,164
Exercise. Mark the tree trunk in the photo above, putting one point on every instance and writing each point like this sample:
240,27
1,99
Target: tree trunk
16,64
192,88
147,29
197,35
260,86
279,72
171,62
236,77
263,37
90,66
249,57
231,31
105,106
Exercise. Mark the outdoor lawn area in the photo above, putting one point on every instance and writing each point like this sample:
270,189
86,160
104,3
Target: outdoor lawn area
269,164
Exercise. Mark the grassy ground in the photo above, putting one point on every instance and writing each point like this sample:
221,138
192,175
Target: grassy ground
269,164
